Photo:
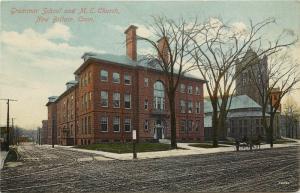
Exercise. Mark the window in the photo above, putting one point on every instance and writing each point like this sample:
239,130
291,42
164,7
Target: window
190,125
197,91
127,79
82,125
190,89
190,106
146,125
182,106
89,77
104,121
116,100
146,104
197,107
89,125
85,80
159,95
245,123
182,88
146,82
127,125
240,123
82,102
116,77
85,125
197,125
259,78
104,75
86,102
116,124
182,125
127,101
244,79
104,98
257,121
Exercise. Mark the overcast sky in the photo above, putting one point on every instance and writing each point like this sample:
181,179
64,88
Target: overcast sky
39,55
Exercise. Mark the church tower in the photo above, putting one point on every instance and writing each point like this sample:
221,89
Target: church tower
252,69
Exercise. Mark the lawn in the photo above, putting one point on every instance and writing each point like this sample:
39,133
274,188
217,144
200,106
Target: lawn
282,141
205,145
12,155
227,142
126,147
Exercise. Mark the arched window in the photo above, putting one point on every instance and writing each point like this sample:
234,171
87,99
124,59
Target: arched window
159,96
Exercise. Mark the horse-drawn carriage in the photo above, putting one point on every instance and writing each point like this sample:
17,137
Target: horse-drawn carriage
246,143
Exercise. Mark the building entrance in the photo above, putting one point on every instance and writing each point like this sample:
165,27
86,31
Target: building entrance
159,130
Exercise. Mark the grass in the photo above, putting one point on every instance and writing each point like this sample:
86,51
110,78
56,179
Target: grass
227,142
222,142
205,145
282,141
12,155
126,147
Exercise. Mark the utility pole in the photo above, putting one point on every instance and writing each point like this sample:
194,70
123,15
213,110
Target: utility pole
52,134
13,131
7,125
39,135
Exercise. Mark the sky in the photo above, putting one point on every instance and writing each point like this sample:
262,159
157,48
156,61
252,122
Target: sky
42,42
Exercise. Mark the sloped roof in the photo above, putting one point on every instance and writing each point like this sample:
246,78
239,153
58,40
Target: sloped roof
142,61
238,102
119,59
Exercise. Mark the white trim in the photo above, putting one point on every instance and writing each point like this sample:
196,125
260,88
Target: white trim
130,125
106,76
128,79
118,124
113,81
101,125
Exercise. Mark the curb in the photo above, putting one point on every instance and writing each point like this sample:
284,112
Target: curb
3,159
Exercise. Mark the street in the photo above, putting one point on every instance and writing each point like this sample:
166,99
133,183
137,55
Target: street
44,169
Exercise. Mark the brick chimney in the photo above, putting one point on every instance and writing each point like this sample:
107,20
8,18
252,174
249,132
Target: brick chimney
163,49
131,42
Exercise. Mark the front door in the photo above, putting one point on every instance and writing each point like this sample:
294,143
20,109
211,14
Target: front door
159,129
159,132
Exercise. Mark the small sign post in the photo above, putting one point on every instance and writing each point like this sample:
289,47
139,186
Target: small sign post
134,144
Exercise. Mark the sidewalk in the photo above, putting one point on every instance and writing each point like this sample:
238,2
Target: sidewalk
2,158
171,153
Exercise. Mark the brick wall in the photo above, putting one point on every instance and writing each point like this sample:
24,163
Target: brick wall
91,85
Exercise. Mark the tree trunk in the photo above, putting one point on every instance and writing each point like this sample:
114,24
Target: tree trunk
215,124
270,134
222,130
173,121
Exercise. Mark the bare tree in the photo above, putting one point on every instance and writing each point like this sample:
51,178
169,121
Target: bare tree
282,76
218,49
291,114
173,57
